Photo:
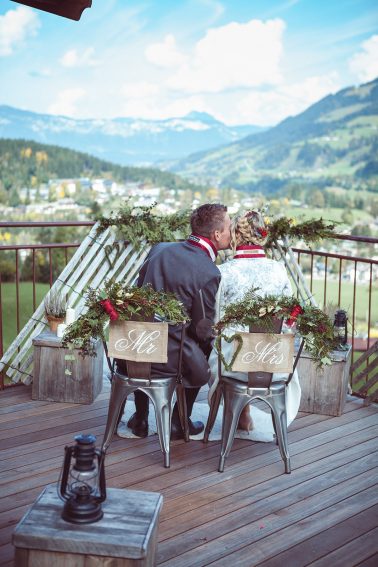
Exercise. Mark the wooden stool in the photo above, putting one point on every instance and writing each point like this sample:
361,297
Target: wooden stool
125,537
57,379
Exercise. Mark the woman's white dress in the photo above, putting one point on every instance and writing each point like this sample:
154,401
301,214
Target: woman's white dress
238,277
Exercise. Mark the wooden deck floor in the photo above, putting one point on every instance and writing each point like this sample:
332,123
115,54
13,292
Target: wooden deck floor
323,514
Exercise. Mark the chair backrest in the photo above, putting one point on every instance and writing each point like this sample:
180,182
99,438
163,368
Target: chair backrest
263,379
138,344
261,353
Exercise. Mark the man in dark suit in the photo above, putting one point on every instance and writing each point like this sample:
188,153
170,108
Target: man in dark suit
188,270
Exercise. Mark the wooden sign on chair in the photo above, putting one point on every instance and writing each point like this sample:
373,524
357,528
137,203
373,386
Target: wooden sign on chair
264,352
138,341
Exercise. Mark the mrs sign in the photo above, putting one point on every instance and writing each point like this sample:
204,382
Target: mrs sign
263,352
138,341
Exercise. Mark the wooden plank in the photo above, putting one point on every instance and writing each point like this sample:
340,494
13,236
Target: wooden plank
365,356
370,383
370,562
302,530
199,501
366,372
222,499
238,546
266,513
323,543
363,547
245,459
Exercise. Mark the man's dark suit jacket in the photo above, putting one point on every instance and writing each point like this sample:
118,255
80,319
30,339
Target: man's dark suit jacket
184,269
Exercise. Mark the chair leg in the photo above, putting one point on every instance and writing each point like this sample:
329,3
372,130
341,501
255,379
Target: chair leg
213,412
234,402
118,396
162,400
274,426
280,421
182,410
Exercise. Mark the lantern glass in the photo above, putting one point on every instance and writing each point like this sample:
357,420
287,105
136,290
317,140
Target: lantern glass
83,481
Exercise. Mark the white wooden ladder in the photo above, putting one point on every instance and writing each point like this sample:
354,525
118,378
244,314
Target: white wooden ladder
99,257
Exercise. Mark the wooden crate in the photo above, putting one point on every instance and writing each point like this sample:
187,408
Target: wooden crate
324,391
57,379
126,536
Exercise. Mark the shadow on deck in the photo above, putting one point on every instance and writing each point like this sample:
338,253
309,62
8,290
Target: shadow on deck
324,513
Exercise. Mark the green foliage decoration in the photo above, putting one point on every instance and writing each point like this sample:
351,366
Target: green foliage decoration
141,224
310,231
122,302
311,323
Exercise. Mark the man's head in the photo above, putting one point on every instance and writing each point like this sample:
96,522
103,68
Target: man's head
213,222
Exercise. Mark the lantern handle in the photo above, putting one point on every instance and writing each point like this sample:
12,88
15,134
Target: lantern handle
65,472
100,454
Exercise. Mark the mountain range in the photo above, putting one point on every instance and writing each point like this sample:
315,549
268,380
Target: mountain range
125,141
335,138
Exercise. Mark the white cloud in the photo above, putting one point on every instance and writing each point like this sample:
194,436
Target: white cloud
232,56
140,90
364,64
74,58
165,53
15,26
66,102
269,107
151,102
161,107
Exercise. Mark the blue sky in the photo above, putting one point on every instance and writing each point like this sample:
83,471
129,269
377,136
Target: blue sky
243,61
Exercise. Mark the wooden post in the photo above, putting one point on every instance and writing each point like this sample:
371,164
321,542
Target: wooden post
126,536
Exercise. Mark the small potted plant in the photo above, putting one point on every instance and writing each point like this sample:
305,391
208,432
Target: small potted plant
55,309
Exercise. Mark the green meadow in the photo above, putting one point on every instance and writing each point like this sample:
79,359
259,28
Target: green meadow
9,302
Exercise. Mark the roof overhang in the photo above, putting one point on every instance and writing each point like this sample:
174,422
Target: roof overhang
67,8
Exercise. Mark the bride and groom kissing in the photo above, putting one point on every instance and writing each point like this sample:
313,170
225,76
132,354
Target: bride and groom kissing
188,269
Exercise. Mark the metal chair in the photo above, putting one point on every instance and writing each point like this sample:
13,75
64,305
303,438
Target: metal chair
159,389
237,394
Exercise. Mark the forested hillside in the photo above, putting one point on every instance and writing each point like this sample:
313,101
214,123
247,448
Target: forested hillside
24,163
333,141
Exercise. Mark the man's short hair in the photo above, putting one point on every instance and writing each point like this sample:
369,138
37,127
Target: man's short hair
208,218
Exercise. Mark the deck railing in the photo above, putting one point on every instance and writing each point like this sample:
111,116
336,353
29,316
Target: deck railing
346,280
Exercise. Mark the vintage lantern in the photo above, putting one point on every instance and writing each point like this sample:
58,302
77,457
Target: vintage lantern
82,483
340,330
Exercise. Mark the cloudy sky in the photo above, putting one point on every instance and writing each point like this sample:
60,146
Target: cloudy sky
243,61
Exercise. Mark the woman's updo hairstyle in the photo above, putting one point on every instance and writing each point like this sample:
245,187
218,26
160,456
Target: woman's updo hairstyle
248,228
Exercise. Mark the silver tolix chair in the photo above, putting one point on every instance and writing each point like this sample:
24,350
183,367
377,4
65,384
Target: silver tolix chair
237,394
160,390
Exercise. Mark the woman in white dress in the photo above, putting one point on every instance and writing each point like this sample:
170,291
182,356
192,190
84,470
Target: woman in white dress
251,268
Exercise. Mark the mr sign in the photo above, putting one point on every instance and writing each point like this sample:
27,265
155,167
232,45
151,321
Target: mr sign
138,341
263,352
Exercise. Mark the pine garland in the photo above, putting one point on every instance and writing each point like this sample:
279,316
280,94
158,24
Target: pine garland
310,231
123,302
312,324
140,224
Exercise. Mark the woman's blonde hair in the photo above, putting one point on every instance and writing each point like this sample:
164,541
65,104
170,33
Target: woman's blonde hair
248,228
